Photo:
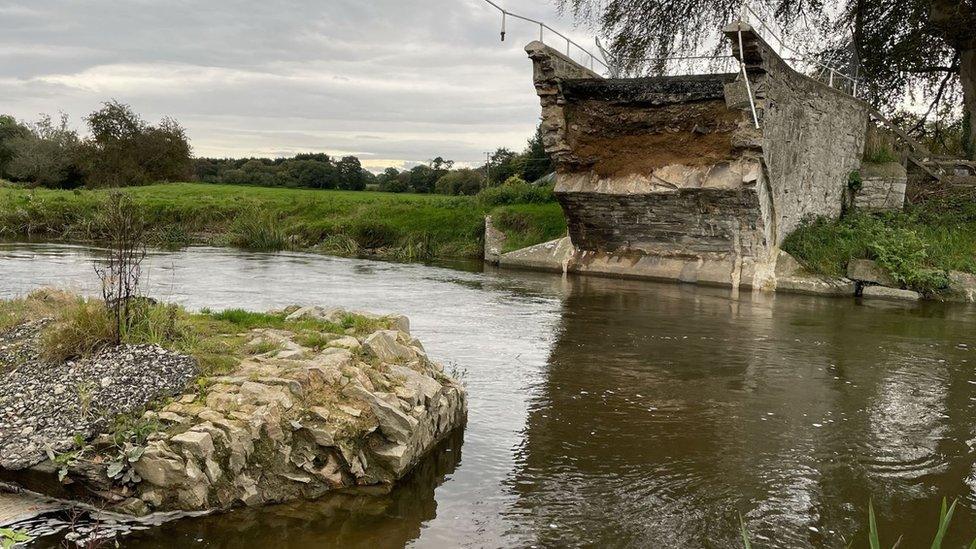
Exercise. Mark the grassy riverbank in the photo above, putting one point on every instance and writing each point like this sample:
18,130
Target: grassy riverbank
80,327
917,246
397,226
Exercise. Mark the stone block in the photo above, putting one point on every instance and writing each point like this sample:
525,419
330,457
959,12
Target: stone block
890,294
865,270
816,285
962,287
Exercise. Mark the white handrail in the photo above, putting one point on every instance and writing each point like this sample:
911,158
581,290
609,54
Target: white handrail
542,28
833,71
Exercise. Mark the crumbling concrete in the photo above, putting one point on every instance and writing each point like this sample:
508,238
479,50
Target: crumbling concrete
669,178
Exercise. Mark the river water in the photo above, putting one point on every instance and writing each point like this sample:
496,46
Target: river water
612,413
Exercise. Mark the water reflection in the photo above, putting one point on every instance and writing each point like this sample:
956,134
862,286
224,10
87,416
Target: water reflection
666,412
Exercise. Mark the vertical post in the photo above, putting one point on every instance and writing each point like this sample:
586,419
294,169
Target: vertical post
567,47
503,26
487,169
540,32
830,81
745,76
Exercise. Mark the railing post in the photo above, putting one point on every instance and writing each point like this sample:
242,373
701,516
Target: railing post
745,76
540,32
830,81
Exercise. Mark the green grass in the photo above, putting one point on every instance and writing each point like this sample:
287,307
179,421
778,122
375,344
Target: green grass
82,326
398,226
528,224
917,246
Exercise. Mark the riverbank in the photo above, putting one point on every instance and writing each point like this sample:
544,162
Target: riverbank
203,411
402,227
918,248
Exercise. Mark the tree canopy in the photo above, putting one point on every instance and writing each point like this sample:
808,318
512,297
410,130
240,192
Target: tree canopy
920,49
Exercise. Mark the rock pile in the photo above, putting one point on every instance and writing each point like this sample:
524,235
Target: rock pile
297,422
46,406
307,413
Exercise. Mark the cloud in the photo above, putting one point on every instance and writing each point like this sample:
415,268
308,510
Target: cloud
394,82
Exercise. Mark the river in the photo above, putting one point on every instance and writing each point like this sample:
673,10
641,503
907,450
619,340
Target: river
613,413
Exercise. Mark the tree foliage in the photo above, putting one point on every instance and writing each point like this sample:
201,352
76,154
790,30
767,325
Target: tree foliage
45,154
125,150
122,150
924,49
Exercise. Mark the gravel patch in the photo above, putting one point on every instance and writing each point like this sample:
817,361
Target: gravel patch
45,405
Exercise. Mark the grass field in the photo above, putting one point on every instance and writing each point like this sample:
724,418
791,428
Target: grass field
398,226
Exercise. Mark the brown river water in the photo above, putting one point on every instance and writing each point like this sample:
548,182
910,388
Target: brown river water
612,413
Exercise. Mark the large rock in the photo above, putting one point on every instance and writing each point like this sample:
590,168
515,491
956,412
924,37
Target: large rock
865,270
384,346
962,287
280,428
816,285
890,294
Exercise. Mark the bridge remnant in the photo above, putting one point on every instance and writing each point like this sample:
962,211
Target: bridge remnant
669,177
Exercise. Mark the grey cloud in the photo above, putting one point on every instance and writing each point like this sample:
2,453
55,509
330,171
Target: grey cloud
389,79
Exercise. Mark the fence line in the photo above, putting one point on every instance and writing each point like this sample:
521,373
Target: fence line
544,27
748,15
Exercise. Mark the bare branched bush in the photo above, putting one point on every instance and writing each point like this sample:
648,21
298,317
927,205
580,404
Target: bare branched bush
120,273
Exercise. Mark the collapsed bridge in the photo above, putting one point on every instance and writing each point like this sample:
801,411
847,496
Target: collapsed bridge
694,178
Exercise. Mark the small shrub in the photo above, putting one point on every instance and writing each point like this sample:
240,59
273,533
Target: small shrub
119,274
371,234
258,230
521,193
904,255
84,327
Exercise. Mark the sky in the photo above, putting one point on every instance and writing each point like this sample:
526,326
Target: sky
394,82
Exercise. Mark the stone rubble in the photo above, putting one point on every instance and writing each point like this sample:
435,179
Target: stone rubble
281,426
293,422
45,406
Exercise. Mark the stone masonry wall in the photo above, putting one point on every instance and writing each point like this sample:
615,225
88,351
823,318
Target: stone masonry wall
812,135
675,168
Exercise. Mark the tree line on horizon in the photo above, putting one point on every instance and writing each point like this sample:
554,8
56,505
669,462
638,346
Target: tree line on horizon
123,150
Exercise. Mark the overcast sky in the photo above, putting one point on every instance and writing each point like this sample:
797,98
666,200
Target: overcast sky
392,81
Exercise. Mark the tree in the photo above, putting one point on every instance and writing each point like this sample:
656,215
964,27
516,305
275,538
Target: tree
350,174
47,154
903,46
462,181
125,150
535,161
422,178
9,129
502,165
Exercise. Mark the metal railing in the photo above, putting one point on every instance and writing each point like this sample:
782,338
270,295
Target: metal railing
830,75
825,72
542,30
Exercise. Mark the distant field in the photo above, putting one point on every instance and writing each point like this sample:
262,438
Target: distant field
399,226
